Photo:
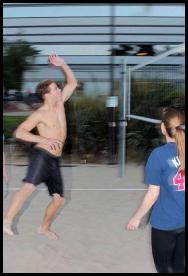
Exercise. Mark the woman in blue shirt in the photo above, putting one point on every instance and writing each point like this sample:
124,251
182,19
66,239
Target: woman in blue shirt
165,177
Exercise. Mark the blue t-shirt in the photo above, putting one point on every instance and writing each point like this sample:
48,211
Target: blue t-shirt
163,169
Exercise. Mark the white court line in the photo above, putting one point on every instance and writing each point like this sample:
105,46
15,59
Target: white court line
125,189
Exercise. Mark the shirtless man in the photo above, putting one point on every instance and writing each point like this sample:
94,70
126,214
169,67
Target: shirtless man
50,122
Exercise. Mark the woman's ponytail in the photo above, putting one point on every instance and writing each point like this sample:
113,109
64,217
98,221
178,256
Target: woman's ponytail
173,120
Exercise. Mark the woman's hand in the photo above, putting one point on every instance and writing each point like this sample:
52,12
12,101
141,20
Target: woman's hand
133,224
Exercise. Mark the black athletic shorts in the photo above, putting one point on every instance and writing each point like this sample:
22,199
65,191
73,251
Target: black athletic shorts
44,167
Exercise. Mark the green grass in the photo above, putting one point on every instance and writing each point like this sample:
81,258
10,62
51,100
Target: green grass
10,123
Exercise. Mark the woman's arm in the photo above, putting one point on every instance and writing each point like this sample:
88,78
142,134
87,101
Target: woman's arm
148,201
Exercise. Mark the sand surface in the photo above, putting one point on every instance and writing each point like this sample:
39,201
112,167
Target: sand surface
91,224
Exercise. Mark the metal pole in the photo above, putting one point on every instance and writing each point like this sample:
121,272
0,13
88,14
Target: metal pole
122,121
111,109
128,80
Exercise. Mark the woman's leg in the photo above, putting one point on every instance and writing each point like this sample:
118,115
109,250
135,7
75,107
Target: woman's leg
179,254
163,244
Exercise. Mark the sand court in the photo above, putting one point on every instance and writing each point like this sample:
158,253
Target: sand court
90,225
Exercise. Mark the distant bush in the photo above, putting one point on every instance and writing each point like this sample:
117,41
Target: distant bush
147,99
87,122
87,125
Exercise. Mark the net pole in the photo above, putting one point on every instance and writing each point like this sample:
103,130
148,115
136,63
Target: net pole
122,121
128,79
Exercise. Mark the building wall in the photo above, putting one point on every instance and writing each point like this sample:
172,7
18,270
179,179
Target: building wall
85,34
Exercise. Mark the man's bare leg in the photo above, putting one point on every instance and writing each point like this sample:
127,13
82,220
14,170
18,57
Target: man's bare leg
18,201
51,210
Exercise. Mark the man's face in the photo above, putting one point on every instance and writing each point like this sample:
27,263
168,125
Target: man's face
55,91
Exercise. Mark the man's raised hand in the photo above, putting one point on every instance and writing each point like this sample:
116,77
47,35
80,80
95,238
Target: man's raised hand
55,60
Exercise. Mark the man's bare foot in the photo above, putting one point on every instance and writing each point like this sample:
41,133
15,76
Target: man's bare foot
7,228
51,235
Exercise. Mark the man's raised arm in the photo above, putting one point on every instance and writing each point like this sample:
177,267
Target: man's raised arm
71,82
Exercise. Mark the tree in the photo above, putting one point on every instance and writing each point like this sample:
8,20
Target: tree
17,58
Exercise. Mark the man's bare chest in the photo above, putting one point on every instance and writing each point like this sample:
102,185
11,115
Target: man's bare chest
54,120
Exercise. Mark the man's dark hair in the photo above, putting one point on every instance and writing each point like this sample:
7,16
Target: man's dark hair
43,88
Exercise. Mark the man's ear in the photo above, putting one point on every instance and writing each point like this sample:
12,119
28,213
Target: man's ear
163,130
44,96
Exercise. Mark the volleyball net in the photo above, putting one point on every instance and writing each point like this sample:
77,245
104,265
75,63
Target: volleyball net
155,84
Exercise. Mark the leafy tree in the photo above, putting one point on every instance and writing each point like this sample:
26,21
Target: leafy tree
17,58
